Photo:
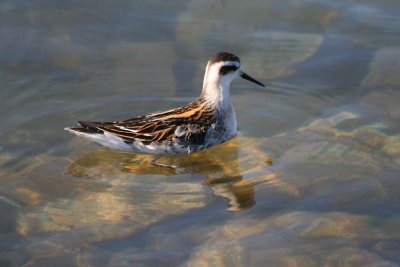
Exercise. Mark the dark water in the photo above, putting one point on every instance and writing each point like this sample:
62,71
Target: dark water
312,179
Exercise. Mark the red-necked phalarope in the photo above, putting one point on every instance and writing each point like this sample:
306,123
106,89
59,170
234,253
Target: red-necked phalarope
207,121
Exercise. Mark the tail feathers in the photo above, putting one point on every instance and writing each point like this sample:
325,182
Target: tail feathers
93,131
91,127
86,127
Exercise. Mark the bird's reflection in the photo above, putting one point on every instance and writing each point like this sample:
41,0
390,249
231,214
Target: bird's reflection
229,171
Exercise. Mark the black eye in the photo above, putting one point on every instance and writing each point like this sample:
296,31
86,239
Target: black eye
225,69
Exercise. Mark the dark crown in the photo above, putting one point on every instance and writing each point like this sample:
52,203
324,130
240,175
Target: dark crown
224,56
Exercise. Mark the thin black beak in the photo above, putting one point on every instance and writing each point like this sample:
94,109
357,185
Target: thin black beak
247,77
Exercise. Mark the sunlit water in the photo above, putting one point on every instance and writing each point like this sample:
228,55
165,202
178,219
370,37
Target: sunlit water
312,179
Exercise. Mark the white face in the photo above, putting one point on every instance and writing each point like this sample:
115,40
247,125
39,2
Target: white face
228,77
222,73
228,72
218,78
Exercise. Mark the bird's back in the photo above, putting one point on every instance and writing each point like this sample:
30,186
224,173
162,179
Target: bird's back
185,129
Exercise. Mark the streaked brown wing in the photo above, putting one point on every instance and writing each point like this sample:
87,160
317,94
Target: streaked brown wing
144,131
188,124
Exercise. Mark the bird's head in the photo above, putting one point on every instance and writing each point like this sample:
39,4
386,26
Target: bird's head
223,68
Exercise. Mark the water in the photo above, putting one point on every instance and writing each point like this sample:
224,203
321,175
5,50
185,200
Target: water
312,179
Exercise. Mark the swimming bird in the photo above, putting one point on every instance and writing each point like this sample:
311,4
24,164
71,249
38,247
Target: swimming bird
207,121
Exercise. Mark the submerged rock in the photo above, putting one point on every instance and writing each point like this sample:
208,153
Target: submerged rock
384,68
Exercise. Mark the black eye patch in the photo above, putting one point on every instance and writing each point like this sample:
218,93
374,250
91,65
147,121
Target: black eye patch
225,69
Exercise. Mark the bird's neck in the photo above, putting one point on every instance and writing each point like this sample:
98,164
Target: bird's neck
217,95
216,91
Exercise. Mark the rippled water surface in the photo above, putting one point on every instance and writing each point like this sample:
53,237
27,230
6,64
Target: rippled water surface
313,179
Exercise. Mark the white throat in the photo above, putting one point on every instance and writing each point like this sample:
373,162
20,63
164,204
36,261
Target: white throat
216,88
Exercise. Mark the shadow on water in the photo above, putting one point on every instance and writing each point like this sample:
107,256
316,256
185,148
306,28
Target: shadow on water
219,166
